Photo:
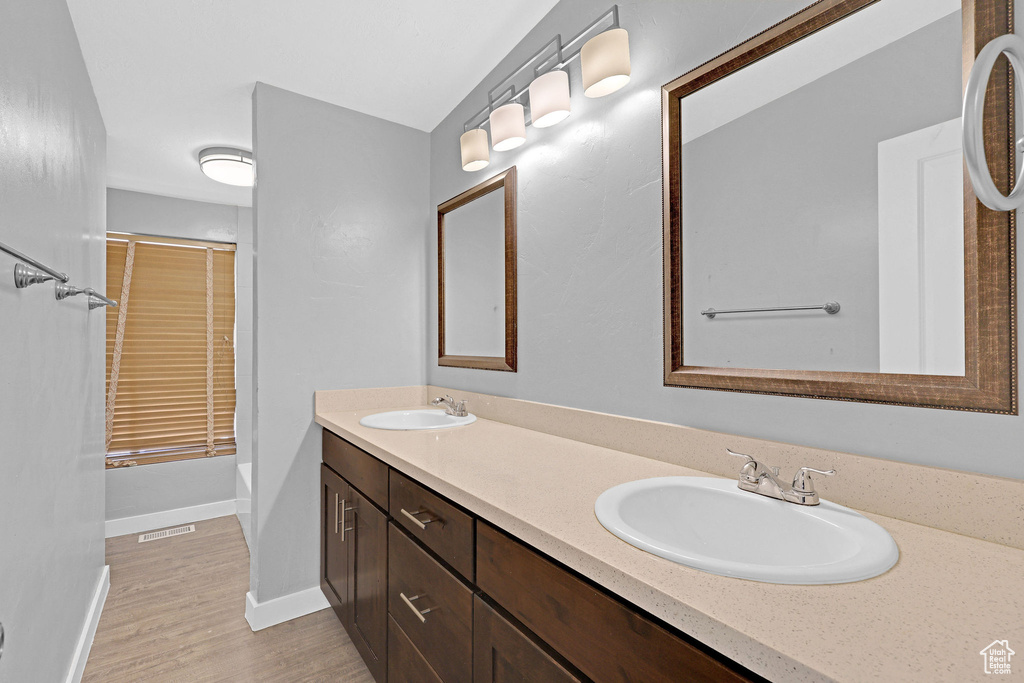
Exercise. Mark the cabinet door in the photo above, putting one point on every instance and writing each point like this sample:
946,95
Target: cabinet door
334,565
503,654
367,582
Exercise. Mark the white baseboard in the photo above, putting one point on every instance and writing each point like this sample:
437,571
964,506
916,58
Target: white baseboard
159,520
260,615
92,620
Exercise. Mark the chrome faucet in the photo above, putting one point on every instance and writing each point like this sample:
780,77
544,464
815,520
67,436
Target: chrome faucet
757,477
451,406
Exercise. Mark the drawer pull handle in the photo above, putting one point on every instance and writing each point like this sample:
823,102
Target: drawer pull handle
340,508
418,612
417,522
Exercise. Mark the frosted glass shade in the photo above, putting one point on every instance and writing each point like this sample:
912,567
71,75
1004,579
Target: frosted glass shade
604,60
227,165
549,98
508,127
475,154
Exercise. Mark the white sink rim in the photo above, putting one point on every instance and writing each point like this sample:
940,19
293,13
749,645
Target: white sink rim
876,554
415,420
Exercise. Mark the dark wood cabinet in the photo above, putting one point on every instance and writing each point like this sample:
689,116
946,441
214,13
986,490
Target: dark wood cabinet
368,582
432,606
333,552
504,654
431,594
354,566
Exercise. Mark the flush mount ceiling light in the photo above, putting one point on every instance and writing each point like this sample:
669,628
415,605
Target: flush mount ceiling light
475,154
508,127
604,61
227,165
603,49
549,98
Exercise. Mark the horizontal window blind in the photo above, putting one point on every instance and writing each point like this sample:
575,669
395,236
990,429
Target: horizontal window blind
160,409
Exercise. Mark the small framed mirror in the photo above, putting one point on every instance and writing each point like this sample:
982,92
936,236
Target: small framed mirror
476,276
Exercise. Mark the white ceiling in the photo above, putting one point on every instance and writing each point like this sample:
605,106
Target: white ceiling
175,76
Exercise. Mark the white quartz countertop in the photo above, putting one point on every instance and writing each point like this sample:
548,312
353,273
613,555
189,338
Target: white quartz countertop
926,619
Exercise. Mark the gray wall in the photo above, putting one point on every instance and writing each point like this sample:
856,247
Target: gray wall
590,260
802,226
340,211
52,168
158,487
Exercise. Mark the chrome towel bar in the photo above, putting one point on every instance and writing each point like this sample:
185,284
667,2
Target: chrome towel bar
62,291
63,277
36,273
830,307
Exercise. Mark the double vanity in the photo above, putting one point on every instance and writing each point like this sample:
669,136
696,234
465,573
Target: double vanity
429,592
476,551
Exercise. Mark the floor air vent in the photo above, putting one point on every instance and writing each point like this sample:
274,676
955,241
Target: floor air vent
167,533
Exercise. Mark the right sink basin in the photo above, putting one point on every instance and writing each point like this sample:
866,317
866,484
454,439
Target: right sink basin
710,524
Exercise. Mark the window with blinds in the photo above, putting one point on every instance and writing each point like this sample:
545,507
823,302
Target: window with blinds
171,366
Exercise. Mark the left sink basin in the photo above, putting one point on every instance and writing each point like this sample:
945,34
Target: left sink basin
415,419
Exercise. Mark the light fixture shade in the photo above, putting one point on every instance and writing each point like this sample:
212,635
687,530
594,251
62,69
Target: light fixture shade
604,60
508,127
475,154
227,165
549,98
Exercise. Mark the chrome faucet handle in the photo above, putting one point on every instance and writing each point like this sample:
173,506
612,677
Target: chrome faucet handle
750,467
802,482
451,406
750,459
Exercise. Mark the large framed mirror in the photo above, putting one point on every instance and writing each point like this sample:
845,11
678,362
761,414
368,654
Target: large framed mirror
821,237
476,276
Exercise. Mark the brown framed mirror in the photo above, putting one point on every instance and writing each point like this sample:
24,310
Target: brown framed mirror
476,276
821,238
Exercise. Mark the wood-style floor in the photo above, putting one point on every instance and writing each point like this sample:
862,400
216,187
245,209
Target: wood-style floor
176,612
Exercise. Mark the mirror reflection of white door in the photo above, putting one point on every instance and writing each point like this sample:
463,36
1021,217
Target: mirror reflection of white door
921,252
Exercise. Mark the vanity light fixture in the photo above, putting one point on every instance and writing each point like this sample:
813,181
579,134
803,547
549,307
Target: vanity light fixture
604,61
603,49
549,98
227,165
508,127
475,153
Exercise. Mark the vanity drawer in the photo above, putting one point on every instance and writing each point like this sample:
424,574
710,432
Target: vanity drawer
418,583
359,468
606,640
438,524
406,664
